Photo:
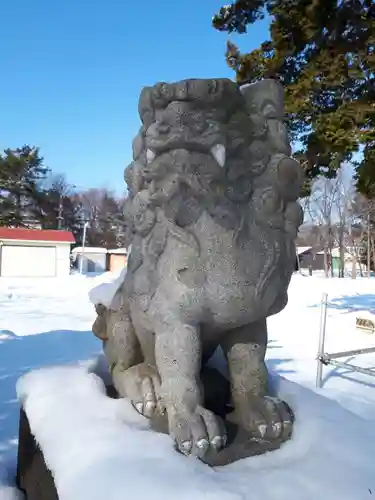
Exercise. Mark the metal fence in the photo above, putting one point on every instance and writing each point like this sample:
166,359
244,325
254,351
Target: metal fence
325,359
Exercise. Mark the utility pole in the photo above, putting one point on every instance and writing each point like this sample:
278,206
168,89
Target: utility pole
60,217
83,246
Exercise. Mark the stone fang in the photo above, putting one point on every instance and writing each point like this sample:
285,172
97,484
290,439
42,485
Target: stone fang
150,156
219,153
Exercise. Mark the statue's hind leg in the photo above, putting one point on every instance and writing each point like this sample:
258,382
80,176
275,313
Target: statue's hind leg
178,351
265,416
134,372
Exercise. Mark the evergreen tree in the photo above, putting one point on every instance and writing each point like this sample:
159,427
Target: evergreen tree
323,52
365,172
22,171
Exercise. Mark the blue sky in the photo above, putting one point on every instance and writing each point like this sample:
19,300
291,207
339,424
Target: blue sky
72,72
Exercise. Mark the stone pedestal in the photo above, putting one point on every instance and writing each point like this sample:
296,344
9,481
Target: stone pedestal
37,483
34,478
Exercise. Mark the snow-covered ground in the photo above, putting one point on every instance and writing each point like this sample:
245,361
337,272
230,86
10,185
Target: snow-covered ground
47,322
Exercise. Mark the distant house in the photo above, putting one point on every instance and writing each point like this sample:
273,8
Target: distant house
94,259
34,252
309,258
116,259
313,260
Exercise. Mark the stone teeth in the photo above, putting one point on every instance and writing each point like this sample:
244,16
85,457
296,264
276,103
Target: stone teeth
150,156
219,153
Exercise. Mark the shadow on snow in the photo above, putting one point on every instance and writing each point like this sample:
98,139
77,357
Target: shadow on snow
19,355
352,303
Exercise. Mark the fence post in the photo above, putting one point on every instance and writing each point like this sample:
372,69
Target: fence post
322,338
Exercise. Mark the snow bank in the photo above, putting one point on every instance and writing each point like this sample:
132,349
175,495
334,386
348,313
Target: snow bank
97,448
32,306
48,321
10,493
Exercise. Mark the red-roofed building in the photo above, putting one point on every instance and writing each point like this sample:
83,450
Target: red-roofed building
34,252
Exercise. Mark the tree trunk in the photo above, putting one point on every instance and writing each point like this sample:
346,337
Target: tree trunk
354,267
330,248
342,261
330,262
326,269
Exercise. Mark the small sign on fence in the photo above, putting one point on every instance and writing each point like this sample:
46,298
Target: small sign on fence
365,324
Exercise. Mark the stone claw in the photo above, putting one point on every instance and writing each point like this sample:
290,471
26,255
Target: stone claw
141,385
149,409
186,447
195,433
139,408
277,429
203,444
262,430
270,419
217,442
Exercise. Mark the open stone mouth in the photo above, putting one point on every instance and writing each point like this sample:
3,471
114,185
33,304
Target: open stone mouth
218,152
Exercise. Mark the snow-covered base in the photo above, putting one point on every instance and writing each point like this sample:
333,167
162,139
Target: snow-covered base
99,448
46,322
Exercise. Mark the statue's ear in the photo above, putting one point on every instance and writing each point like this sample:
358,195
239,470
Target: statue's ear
99,308
99,328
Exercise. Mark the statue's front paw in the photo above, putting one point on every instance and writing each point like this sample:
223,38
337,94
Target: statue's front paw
268,418
196,433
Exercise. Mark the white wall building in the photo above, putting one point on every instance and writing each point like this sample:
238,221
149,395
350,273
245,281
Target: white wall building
27,253
94,259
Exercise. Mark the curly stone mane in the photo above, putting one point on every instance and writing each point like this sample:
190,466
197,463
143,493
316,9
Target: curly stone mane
207,147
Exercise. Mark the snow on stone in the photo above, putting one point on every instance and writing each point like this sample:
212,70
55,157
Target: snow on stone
97,447
104,292
46,322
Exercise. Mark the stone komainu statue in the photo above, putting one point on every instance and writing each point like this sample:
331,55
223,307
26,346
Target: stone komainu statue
214,216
